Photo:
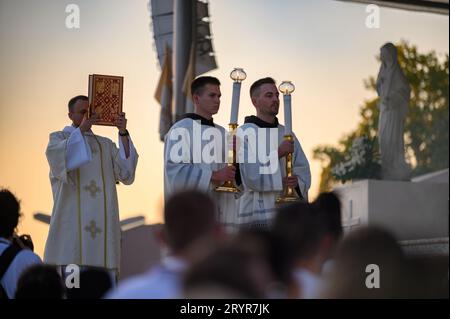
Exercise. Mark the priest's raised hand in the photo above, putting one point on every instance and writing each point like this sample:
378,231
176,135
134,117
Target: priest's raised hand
87,123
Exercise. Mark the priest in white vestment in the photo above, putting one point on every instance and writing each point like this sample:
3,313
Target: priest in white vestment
262,159
194,152
84,171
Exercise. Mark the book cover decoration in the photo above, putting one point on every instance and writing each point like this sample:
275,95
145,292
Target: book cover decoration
105,97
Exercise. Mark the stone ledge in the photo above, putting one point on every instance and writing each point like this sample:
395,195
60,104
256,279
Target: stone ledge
426,247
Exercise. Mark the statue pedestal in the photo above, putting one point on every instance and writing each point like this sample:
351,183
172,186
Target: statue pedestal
410,210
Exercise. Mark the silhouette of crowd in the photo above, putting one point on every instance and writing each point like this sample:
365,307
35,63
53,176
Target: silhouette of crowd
304,254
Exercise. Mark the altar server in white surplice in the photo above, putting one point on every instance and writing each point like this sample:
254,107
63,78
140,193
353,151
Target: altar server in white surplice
194,152
262,159
84,171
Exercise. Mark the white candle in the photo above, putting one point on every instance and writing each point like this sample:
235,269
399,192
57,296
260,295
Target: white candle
235,103
287,115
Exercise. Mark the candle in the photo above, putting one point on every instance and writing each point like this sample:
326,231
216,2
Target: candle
235,102
286,87
237,75
287,115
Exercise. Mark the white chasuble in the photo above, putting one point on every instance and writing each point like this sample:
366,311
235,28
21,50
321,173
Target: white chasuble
84,170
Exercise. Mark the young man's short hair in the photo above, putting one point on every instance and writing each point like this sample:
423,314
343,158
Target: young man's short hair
74,100
328,207
188,216
299,231
254,89
9,213
199,84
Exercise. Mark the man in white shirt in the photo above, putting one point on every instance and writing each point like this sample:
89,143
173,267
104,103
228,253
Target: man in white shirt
190,232
84,171
194,152
20,257
262,159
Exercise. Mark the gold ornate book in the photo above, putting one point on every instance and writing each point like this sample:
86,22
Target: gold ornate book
105,97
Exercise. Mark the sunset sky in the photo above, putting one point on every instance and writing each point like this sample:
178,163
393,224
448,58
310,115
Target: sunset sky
322,46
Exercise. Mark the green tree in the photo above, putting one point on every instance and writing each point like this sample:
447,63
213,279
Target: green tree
426,126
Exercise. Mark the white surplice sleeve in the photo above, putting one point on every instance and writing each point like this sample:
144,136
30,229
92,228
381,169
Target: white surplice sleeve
124,168
185,174
133,153
78,151
65,153
301,169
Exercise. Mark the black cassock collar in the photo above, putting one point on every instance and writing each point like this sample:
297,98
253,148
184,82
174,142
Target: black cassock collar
260,123
197,117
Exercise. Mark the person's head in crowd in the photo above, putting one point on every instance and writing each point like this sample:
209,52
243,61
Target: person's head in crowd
300,233
262,244
328,210
9,213
40,282
369,263
190,224
9,220
227,272
94,283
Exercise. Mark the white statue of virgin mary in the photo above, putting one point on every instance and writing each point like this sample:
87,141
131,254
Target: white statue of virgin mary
394,92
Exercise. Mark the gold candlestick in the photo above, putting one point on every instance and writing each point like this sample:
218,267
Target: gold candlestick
288,195
229,186
237,75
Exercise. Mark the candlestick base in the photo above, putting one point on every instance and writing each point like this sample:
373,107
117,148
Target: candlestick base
227,187
283,199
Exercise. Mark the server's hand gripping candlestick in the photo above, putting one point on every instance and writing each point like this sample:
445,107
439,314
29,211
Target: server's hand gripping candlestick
286,87
238,75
